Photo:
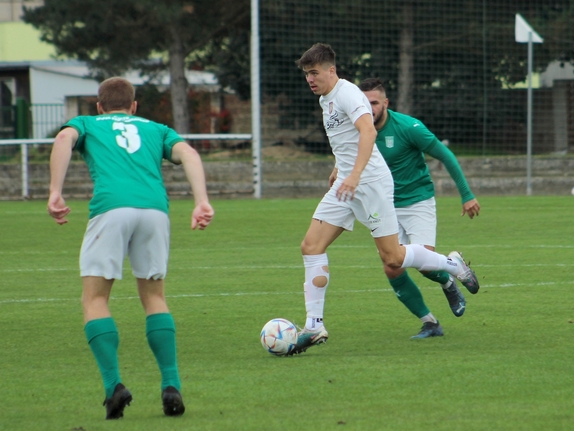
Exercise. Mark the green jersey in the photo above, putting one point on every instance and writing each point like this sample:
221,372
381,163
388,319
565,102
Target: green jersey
124,154
403,141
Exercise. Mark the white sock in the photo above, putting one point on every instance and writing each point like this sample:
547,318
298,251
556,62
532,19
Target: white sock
448,283
429,318
316,282
421,258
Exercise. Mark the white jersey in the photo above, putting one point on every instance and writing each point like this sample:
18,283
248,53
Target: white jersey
341,108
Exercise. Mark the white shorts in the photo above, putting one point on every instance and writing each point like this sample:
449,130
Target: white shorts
372,206
141,234
417,223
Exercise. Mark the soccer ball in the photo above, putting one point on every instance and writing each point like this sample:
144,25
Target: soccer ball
279,337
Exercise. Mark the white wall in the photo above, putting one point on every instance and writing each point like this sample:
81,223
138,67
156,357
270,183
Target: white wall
49,87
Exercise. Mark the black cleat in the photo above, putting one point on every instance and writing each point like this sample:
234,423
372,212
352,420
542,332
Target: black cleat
115,405
430,329
455,299
172,402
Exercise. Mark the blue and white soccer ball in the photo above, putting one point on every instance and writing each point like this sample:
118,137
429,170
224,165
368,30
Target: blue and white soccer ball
279,337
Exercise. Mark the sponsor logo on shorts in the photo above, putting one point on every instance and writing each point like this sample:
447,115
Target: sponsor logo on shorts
374,221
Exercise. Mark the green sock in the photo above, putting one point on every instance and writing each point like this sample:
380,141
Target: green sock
441,277
103,338
160,332
409,294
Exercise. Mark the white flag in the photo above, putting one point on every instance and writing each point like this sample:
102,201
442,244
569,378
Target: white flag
521,30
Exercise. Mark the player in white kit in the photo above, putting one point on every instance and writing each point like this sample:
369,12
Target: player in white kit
363,191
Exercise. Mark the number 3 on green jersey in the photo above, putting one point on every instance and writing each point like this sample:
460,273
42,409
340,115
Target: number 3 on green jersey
128,138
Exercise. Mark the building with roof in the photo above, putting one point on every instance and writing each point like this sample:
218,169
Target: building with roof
52,88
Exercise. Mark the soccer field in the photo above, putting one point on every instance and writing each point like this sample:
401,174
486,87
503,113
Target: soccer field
507,364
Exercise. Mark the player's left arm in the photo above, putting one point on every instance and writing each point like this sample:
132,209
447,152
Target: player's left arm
367,136
59,162
333,176
440,152
187,156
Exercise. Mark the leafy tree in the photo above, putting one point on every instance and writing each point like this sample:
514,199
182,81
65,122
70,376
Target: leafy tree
114,36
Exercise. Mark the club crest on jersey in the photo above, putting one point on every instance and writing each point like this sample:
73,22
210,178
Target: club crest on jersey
330,108
333,121
389,141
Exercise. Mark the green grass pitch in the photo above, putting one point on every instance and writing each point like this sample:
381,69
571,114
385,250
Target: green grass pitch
507,364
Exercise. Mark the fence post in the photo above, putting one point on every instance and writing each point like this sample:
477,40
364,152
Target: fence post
24,152
22,132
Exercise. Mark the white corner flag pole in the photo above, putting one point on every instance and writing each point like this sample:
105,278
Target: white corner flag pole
523,33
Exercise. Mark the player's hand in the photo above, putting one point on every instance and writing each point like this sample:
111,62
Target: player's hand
201,216
57,208
472,208
347,188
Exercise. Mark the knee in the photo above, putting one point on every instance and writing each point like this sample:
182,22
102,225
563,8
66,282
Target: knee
391,260
393,272
154,303
309,248
92,298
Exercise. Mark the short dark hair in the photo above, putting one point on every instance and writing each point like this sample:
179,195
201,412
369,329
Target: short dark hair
320,53
371,84
116,94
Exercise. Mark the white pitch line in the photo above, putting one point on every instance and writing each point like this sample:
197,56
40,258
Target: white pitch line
38,270
367,246
224,294
289,267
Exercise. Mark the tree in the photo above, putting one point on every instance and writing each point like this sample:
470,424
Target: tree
468,43
113,37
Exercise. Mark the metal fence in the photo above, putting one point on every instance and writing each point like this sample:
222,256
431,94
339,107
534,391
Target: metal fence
453,64
41,121
47,118
21,145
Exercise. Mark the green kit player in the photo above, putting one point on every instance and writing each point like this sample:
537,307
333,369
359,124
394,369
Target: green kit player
403,141
128,216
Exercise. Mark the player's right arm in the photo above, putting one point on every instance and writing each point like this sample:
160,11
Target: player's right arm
187,156
59,161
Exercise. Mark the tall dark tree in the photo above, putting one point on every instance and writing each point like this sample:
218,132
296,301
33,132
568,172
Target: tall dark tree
115,36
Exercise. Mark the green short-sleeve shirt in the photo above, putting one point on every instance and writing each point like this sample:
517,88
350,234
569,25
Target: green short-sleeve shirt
402,142
124,154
